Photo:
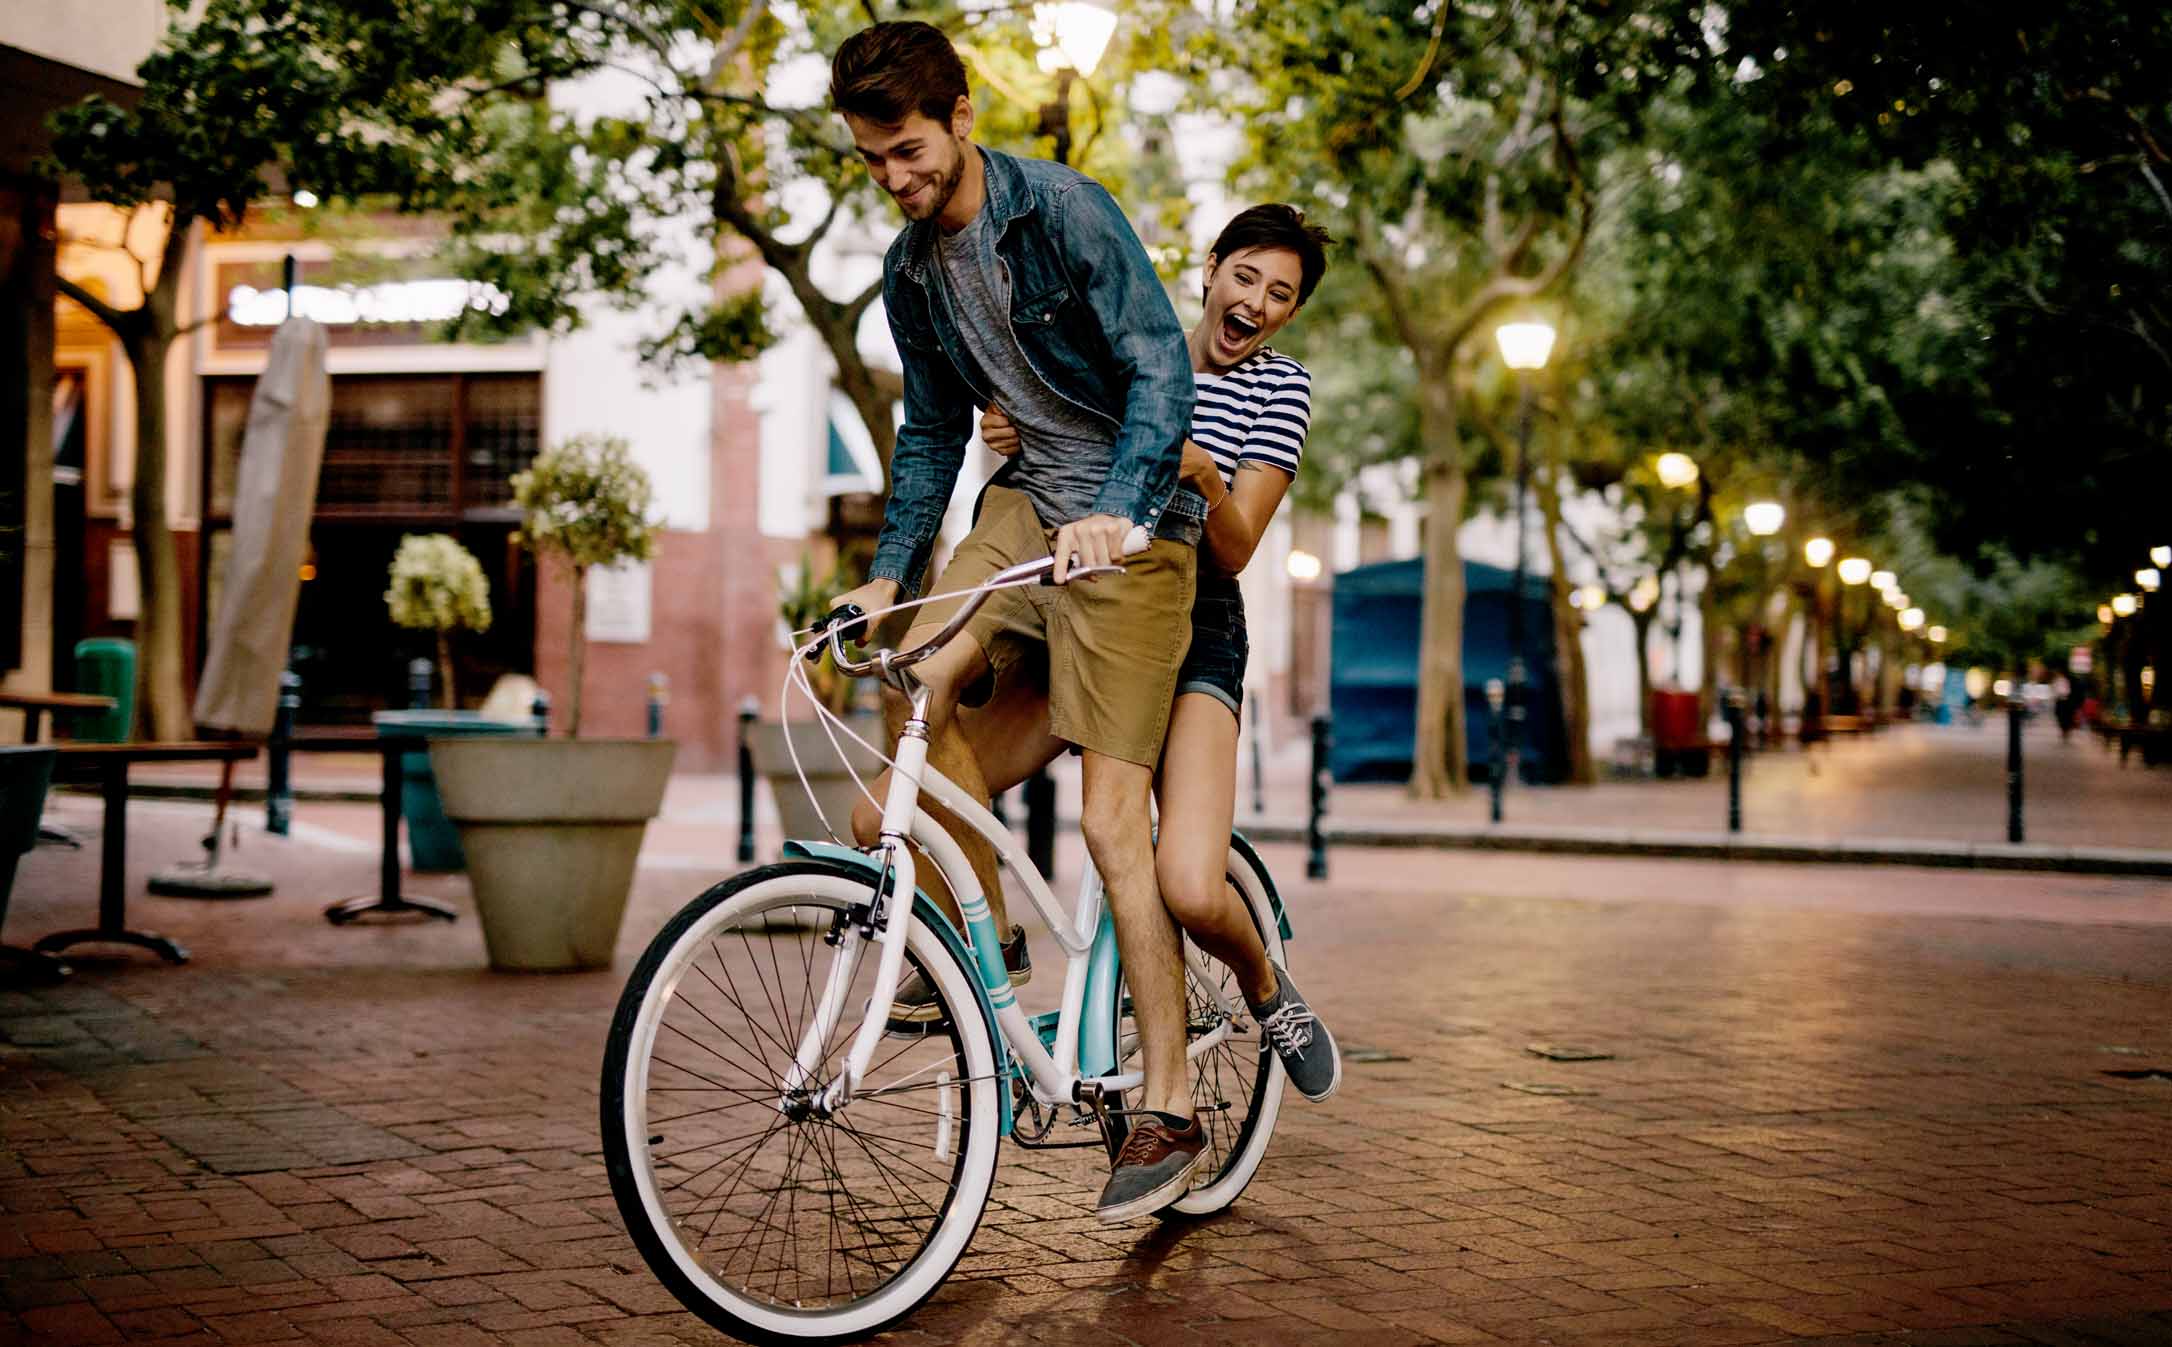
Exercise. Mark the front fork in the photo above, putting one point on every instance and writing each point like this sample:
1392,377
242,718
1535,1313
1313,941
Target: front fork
893,901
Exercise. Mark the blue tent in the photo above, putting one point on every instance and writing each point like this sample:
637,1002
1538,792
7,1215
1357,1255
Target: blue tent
1373,690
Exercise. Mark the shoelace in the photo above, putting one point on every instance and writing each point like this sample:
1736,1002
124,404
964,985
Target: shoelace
1290,1029
1139,1147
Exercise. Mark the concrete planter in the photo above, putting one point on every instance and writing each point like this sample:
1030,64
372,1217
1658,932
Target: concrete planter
826,773
552,828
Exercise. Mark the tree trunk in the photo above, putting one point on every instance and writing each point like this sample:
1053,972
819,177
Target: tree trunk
876,403
1440,751
447,696
1708,680
163,677
578,653
1569,672
1643,623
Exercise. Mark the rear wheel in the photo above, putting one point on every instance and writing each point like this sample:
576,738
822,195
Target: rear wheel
1237,1083
770,1217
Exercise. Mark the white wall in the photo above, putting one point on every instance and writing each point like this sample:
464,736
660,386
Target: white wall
108,37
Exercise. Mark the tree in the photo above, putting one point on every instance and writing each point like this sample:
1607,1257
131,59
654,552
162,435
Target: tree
1450,145
243,93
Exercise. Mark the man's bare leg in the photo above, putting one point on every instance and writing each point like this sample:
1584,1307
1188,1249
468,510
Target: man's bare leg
1118,822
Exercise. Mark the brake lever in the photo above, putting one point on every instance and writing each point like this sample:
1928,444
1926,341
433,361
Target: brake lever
846,620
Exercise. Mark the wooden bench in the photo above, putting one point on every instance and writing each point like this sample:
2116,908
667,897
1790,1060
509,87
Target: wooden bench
108,764
34,705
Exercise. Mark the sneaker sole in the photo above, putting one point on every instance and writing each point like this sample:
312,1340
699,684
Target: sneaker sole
1147,1203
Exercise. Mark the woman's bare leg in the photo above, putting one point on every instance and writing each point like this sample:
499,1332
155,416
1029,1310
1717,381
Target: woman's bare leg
1198,791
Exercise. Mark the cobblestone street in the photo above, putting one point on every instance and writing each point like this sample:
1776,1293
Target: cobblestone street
1843,1105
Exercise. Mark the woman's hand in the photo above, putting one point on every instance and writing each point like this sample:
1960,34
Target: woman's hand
998,432
1198,469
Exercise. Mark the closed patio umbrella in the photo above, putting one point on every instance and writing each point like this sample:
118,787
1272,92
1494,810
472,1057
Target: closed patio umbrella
275,490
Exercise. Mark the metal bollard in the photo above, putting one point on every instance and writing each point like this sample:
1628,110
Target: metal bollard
1496,698
418,684
1259,770
279,790
539,711
1735,731
1041,822
2013,770
659,697
748,710
1315,840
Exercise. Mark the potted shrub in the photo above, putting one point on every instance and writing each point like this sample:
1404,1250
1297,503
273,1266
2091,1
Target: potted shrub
553,827
804,596
438,586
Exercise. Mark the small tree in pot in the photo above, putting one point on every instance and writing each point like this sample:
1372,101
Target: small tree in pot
587,502
438,586
553,827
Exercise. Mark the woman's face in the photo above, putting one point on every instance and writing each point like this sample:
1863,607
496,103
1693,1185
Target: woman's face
1250,294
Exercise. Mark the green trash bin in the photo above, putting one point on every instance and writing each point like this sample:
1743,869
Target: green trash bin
433,842
105,666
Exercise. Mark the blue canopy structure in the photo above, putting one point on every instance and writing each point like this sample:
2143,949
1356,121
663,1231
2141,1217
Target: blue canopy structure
1373,683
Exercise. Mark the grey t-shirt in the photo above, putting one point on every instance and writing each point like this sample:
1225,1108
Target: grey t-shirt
1064,450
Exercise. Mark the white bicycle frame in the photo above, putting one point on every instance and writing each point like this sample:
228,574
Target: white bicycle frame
1053,1077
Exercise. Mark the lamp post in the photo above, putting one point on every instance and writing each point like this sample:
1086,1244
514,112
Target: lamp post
1072,35
1817,553
1524,349
1763,519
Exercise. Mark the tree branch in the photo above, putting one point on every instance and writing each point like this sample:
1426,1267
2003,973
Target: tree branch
1368,249
730,46
116,319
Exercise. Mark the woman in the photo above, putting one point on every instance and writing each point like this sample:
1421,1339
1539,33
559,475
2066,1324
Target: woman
1248,431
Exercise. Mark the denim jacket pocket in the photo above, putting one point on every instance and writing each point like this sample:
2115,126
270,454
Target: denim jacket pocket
1041,310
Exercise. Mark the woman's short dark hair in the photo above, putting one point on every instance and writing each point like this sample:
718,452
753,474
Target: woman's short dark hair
887,72
1275,225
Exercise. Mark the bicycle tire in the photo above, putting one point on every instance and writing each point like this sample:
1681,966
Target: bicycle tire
1237,1086
894,1188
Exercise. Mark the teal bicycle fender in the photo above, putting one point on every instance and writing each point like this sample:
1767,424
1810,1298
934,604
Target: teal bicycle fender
1274,895
927,911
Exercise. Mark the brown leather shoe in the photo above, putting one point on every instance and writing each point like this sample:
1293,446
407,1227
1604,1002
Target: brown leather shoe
1153,1169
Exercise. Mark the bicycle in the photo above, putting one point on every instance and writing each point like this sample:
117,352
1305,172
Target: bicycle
791,1176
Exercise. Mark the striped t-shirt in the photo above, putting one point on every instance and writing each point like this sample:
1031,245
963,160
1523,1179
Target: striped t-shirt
1257,413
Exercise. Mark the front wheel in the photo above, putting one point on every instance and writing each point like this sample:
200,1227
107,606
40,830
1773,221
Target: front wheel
1236,1083
769,1217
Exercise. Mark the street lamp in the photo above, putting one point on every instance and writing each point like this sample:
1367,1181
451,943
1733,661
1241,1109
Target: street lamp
1587,598
1818,552
2104,613
1677,471
1303,565
1911,618
2160,556
1072,35
2124,605
1937,635
1524,349
1764,518
1854,571
1883,580
1643,594
2148,579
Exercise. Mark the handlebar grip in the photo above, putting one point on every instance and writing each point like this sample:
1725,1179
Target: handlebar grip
1136,541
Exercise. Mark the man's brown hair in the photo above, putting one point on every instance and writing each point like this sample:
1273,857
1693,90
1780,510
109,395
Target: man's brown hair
889,71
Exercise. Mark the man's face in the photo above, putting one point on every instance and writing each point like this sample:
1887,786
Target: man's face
1250,295
919,162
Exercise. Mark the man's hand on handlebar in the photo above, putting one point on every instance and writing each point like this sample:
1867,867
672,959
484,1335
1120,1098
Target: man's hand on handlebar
1096,540
867,598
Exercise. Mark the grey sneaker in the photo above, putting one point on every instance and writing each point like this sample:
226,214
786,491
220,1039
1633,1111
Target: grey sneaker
1305,1046
916,1006
1153,1168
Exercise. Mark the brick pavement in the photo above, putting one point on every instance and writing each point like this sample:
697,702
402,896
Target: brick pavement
1844,1106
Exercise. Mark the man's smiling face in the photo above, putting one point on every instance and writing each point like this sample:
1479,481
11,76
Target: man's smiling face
919,162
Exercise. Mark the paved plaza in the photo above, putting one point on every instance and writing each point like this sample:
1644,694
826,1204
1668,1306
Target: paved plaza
1841,1105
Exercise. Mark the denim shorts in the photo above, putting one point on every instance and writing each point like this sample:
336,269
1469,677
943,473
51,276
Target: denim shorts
1215,663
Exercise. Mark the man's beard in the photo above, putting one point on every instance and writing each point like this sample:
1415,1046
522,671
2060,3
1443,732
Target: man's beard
940,191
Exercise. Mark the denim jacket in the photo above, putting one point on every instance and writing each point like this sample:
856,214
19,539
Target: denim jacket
1094,323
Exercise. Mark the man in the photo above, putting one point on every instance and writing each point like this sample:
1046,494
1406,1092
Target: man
1021,282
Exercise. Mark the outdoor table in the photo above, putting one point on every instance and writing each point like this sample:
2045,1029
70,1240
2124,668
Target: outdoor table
34,705
109,763
387,901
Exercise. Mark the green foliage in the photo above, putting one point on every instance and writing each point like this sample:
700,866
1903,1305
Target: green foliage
586,500
437,585
805,595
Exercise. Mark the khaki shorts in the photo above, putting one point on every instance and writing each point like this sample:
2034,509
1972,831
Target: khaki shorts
1113,644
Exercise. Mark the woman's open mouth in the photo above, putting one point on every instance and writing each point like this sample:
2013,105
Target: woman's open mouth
1237,331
